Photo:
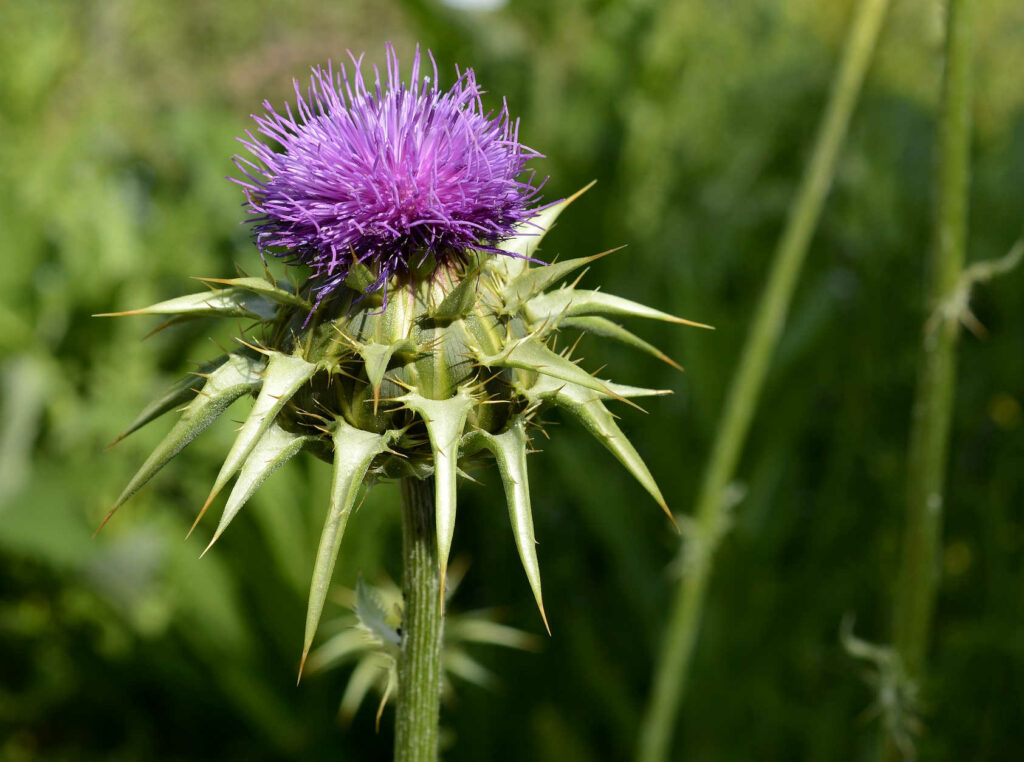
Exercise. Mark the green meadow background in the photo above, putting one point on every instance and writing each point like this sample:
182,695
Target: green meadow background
118,121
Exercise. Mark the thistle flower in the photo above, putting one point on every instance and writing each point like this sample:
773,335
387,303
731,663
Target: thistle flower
452,368
387,176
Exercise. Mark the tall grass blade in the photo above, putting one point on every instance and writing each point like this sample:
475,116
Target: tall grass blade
673,663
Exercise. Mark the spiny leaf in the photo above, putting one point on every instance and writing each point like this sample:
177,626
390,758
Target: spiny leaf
571,302
509,450
373,669
534,229
458,301
347,644
389,688
445,420
275,448
221,302
606,329
464,666
282,378
538,279
359,277
532,354
374,616
622,392
177,395
529,235
588,409
475,629
354,450
238,376
376,358
264,287
172,321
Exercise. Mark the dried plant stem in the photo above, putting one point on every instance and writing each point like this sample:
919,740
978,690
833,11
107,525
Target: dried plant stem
419,665
672,668
933,405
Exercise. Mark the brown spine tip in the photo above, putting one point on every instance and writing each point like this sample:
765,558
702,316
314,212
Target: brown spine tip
544,617
692,323
225,281
669,361
210,545
664,506
162,326
580,192
105,520
202,512
302,665
119,314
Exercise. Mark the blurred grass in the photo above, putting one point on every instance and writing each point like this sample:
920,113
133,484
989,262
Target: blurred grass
117,124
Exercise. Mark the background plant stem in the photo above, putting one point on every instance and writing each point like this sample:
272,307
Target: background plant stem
419,666
672,668
933,406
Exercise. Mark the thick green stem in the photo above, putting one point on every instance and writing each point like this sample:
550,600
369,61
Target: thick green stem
933,405
419,666
672,668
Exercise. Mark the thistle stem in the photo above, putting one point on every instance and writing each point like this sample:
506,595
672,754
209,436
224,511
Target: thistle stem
936,375
672,668
419,664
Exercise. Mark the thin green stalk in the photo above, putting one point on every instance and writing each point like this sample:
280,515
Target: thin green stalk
933,406
673,664
419,664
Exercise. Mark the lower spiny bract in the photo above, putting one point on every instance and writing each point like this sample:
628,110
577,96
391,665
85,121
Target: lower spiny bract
446,367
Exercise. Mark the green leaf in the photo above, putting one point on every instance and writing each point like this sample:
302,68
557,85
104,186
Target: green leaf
589,410
509,450
445,420
237,376
462,665
622,392
376,358
177,395
373,670
275,448
532,354
475,629
540,278
347,644
606,329
221,302
282,378
359,277
374,616
354,451
529,234
532,232
459,301
264,287
571,302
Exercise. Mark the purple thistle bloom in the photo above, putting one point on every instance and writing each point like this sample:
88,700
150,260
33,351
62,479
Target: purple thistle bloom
385,176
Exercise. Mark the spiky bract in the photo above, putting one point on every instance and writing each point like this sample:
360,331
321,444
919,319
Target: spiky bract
385,175
453,370
370,636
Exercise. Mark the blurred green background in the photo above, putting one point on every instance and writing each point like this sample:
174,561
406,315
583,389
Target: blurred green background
118,121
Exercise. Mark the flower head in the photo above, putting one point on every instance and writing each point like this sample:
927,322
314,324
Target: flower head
386,175
428,385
